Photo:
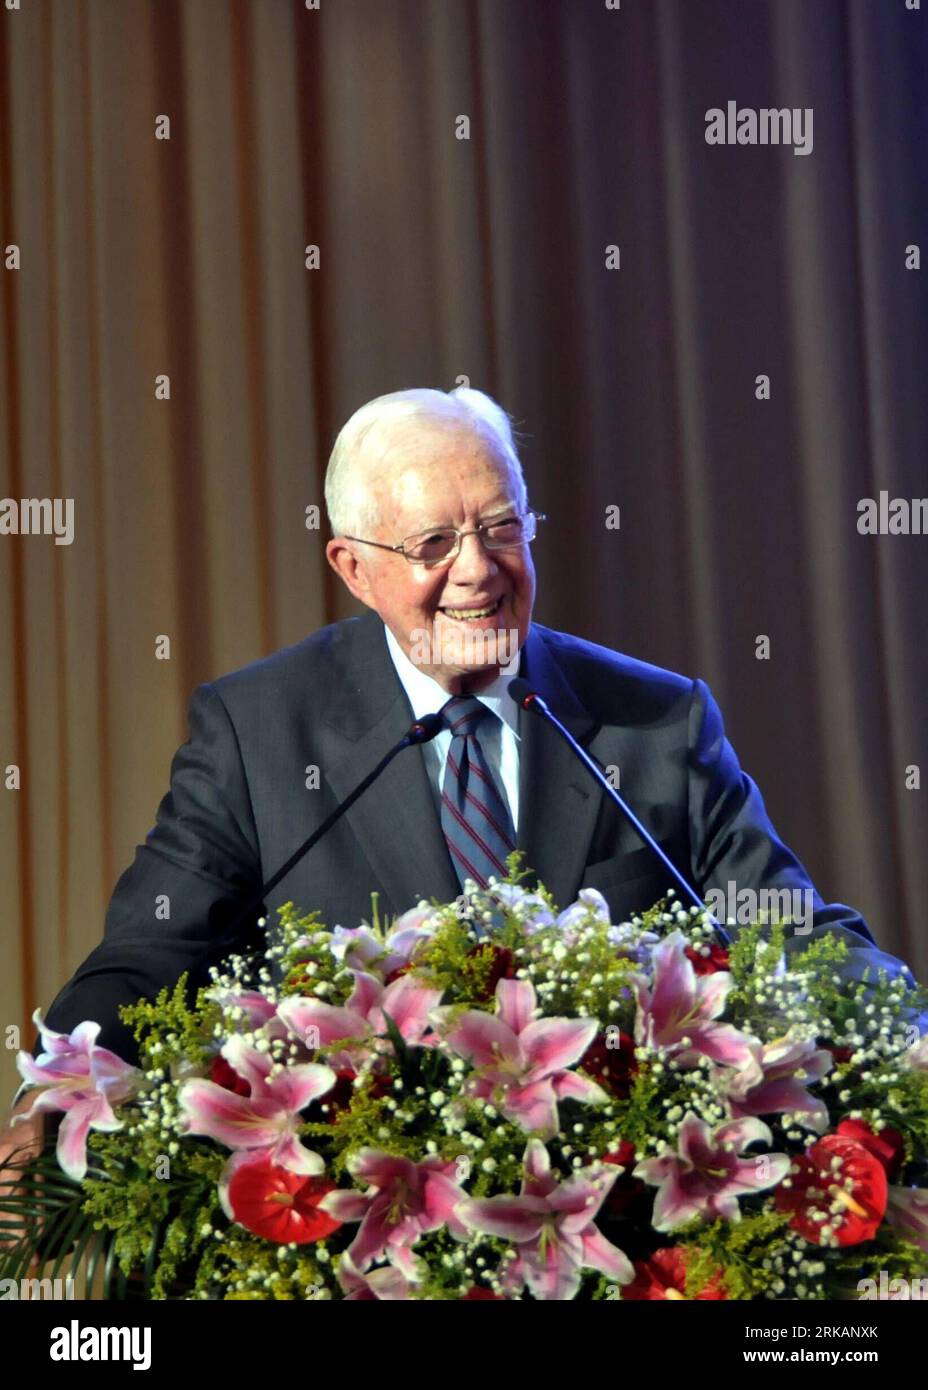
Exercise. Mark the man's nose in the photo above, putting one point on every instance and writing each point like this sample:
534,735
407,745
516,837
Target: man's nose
473,559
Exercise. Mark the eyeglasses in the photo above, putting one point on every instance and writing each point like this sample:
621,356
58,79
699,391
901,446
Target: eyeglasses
432,547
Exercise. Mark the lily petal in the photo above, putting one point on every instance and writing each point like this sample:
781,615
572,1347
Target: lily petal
550,1044
515,1001
599,1253
480,1037
518,1218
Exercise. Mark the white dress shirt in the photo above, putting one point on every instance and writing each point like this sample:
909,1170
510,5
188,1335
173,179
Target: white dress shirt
499,737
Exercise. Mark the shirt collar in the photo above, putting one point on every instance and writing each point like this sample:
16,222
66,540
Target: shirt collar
427,697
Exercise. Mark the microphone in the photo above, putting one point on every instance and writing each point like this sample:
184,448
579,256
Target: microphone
529,699
420,731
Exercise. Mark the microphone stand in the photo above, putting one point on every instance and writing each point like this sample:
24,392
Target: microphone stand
421,731
529,699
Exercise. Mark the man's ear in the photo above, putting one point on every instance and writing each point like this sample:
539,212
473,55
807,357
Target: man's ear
349,569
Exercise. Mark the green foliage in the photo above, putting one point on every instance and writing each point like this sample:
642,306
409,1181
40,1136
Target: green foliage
364,1124
155,1221
637,1115
889,1251
734,1252
751,953
239,1267
450,962
61,1236
169,1029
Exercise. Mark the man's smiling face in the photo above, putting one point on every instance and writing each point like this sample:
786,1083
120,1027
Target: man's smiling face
433,480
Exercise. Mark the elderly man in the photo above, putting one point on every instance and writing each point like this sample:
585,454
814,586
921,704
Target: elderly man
432,532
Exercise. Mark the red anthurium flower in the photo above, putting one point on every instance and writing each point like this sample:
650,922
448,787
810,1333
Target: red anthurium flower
613,1067
887,1145
280,1205
228,1077
664,1276
482,1295
717,959
837,1185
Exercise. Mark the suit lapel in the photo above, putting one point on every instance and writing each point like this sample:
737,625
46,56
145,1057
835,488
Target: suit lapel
559,801
395,820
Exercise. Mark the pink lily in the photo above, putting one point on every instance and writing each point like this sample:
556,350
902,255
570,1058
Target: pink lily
573,918
552,1226
708,1172
403,1201
264,1122
770,1084
907,1210
258,1010
529,906
386,1284
520,1062
679,1005
360,948
407,1001
81,1079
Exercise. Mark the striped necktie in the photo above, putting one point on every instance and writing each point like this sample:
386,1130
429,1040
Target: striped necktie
474,815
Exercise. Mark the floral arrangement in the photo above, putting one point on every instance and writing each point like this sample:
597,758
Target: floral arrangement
494,1099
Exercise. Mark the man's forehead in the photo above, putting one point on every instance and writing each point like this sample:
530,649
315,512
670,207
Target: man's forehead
414,486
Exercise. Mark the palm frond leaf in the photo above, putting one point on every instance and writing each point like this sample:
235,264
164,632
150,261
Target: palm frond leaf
43,1209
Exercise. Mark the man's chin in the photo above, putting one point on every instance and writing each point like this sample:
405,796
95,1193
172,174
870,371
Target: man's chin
474,648
447,650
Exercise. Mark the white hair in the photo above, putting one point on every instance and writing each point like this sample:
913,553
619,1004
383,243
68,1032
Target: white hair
364,440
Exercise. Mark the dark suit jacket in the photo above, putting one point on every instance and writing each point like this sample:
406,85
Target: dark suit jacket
239,805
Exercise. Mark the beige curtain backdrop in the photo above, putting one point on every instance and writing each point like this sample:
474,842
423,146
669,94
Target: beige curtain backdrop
442,257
